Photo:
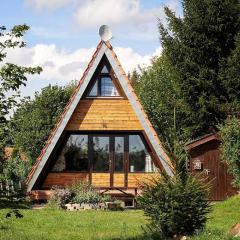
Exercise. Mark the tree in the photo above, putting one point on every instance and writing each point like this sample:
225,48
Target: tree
12,76
202,47
34,120
15,168
134,78
230,147
161,98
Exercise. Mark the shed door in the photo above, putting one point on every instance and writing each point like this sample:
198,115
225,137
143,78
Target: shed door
213,170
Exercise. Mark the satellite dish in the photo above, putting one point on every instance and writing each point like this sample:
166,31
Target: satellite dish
105,33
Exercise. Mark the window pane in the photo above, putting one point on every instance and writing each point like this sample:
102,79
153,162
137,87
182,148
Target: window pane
94,90
107,87
101,154
139,158
104,70
74,156
119,154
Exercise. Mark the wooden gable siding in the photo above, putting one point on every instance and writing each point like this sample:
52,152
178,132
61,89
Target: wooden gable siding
104,114
101,180
63,179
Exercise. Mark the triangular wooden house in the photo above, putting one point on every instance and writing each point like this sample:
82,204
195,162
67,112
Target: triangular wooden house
103,136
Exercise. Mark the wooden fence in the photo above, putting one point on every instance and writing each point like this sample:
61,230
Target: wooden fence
9,188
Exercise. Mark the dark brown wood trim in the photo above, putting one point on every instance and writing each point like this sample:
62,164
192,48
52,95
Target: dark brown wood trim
90,157
126,158
111,158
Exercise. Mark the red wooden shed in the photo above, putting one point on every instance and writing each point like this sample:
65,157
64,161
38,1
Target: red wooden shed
205,158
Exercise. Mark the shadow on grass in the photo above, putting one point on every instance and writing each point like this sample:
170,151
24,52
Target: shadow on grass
131,238
6,203
141,237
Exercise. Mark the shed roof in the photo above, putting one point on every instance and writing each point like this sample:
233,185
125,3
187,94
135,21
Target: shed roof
202,140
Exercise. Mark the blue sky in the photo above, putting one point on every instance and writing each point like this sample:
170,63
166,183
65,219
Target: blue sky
64,34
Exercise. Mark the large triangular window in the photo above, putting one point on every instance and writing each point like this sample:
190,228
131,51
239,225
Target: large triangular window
104,85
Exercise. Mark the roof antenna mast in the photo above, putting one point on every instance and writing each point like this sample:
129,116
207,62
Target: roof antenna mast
105,33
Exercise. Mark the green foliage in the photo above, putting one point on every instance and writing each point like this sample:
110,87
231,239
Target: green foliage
78,192
230,148
15,168
203,49
35,118
59,198
175,207
85,193
134,78
161,98
12,77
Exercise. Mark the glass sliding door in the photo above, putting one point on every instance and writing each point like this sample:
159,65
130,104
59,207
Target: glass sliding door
119,154
139,157
74,155
104,153
101,149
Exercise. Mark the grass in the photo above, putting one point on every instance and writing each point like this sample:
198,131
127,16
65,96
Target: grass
224,216
49,224
60,225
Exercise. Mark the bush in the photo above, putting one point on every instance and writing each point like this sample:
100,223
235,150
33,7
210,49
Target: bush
78,192
175,207
230,148
85,193
15,170
60,197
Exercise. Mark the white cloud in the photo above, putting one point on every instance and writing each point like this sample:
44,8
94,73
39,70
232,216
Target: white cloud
58,64
91,13
128,17
46,4
62,66
131,60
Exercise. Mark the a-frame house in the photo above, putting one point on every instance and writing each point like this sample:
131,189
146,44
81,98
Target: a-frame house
103,136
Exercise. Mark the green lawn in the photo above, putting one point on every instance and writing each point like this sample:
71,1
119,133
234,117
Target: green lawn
55,224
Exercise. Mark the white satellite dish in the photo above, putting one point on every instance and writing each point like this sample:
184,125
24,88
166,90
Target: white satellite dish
105,33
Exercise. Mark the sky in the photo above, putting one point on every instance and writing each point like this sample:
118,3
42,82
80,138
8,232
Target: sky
64,34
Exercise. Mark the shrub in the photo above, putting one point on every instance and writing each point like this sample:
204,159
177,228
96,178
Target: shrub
15,170
230,148
60,197
78,192
174,207
85,193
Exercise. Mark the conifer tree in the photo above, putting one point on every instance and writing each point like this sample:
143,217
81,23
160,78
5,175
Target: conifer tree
202,48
